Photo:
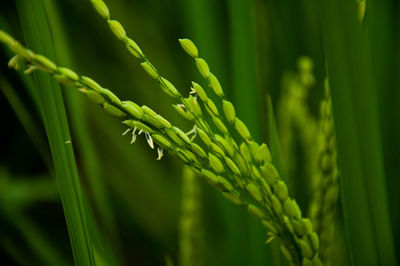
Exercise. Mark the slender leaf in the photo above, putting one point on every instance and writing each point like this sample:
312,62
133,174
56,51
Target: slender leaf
363,182
84,143
246,95
33,20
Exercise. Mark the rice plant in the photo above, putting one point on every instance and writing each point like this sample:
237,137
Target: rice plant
119,202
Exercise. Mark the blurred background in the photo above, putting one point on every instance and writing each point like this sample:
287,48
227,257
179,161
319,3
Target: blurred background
134,201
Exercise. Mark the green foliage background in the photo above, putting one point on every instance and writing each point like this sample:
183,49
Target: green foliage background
131,201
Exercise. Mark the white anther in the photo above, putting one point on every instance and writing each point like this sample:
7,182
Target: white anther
270,238
160,152
30,69
149,140
126,131
133,136
192,131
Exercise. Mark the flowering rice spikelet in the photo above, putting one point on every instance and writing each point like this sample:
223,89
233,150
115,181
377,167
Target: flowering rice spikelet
189,47
243,174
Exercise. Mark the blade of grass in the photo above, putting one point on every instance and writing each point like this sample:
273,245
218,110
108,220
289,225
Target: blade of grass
246,94
383,26
245,85
363,183
393,131
29,127
84,142
377,35
37,35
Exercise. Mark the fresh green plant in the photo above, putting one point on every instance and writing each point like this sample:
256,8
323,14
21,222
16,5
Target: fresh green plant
222,149
249,179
